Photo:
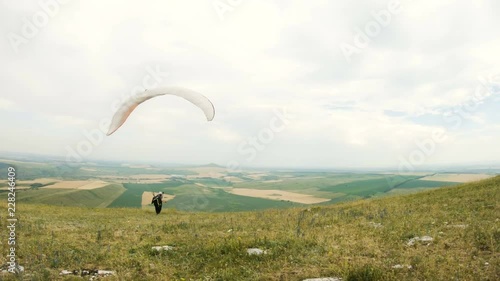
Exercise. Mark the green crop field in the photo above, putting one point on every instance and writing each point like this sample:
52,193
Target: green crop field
425,184
132,197
190,197
212,192
300,181
214,182
217,200
126,188
367,188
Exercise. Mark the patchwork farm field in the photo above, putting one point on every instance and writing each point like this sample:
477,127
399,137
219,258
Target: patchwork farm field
211,188
370,239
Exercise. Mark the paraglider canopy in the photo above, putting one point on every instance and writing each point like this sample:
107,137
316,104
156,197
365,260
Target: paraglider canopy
129,105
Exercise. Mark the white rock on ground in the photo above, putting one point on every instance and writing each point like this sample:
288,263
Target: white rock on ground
324,279
256,251
105,272
17,269
162,248
66,272
398,266
424,239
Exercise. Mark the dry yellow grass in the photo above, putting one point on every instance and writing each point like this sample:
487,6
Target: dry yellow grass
82,185
278,195
360,240
457,177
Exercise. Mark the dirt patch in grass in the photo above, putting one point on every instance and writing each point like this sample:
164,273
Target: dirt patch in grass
278,195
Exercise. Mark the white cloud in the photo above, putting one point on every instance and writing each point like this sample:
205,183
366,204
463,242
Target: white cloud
265,55
6,104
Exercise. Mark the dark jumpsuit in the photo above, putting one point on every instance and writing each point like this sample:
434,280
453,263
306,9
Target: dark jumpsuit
157,200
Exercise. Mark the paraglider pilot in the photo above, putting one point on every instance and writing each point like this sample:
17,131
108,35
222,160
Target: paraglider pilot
157,201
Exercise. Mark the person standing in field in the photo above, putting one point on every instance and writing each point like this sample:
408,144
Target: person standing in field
157,201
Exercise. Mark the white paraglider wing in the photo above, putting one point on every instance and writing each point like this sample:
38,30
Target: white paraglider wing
129,105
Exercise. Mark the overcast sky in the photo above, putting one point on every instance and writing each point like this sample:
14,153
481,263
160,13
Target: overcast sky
294,83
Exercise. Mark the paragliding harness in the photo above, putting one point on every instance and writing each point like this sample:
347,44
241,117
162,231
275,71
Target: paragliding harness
157,201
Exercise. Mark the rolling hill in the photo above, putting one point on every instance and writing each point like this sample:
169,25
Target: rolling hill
451,233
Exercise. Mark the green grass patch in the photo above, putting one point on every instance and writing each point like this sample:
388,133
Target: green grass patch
368,188
99,197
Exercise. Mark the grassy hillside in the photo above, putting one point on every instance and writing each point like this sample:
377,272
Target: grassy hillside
359,240
99,197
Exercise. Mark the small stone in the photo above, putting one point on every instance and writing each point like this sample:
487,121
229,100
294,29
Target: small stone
399,266
256,251
162,248
424,239
105,272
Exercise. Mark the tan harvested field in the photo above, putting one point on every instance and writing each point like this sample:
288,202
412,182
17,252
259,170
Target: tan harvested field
257,176
139,178
40,180
147,196
17,187
457,177
212,172
82,185
407,173
10,161
278,195
136,166
88,169
271,181
233,179
150,176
